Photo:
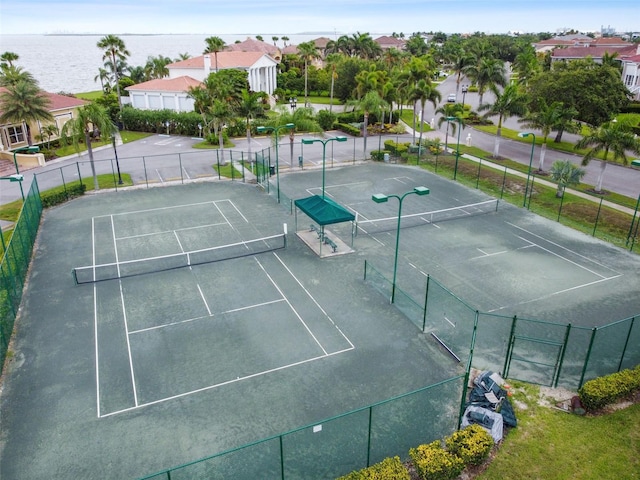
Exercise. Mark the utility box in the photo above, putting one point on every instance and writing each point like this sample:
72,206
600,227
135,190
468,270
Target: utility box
386,158
300,161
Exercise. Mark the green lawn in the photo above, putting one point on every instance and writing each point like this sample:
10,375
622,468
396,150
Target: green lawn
550,444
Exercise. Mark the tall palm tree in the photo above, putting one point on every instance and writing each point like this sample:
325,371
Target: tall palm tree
487,73
307,51
275,40
565,174
422,92
24,102
250,106
88,119
214,45
285,39
449,110
371,102
156,67
221,112
546,119
103,76
508,103
115,52
331,62
614,137
412,73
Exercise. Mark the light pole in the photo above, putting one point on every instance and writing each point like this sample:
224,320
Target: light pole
309,141
275,131
465,89
459,120
533,144
115,152
381,198
29,149
16,177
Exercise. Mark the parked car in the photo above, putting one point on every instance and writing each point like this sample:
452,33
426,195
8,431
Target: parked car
451,98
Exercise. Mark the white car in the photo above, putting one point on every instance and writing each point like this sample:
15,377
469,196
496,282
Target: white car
451,98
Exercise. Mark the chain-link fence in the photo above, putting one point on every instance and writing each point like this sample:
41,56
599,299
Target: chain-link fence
16,255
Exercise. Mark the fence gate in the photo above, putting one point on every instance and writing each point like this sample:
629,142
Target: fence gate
532,359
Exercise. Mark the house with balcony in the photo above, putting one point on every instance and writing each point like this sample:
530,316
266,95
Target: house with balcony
172,92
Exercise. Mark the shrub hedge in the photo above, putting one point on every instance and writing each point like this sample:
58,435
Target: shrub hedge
350,129
388,469
57,196
433,462
472,444
602,391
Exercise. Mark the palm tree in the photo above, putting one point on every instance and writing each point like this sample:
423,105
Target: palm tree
507,104
116,53
546,119
103,76
221,112
615,137
250,107
416,70
156,67
275,41
422,92
449,110
284,40
10,75
25,103
7,59
88,119
48,131
307,51
332,61
371,102
214,45
487,73
565,174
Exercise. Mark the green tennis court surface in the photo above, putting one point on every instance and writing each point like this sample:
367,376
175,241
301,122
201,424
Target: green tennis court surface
160,357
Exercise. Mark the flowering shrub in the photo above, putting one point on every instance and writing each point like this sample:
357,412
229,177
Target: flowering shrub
471,444
434,463
388,469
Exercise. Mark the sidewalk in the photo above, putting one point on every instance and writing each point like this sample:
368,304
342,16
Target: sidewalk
437,134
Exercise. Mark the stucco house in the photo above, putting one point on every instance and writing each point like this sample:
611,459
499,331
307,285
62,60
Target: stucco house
14,135
172,93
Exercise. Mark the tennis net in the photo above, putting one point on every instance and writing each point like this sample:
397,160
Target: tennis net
424,218
131,268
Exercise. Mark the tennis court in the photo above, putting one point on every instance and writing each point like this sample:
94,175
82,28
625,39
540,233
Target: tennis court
165,325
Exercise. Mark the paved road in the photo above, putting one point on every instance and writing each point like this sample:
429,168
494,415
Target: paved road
624,180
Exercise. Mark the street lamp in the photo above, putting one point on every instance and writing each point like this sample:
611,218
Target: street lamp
16,177
381,198
309,141
29,149
275,131
533,144
459,120
293,101
115,152
465,89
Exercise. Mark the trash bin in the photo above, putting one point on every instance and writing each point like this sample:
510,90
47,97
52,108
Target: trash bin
272,169
300,161
386,158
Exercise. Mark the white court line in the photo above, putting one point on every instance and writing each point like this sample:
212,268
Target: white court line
450,322
204,300
170,231
160,208
228,382
95,314
565,259
189,320
556,293
312,299
485,254
159,176
215,204
124,315
237,210
186,173
290,306
564,248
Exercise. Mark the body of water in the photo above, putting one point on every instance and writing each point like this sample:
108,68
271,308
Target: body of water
70,63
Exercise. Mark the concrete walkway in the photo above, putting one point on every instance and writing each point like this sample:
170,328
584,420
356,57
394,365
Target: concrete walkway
434,134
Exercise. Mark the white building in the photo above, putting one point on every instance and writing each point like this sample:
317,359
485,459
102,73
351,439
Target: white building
171,93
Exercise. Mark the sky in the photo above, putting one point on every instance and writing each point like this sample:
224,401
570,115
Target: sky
286,17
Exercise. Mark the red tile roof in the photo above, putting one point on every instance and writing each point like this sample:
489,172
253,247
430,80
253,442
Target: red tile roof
583,52
251,45
59,102
225,60
179,84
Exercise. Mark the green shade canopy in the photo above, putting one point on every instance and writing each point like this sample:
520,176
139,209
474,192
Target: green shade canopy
324,211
